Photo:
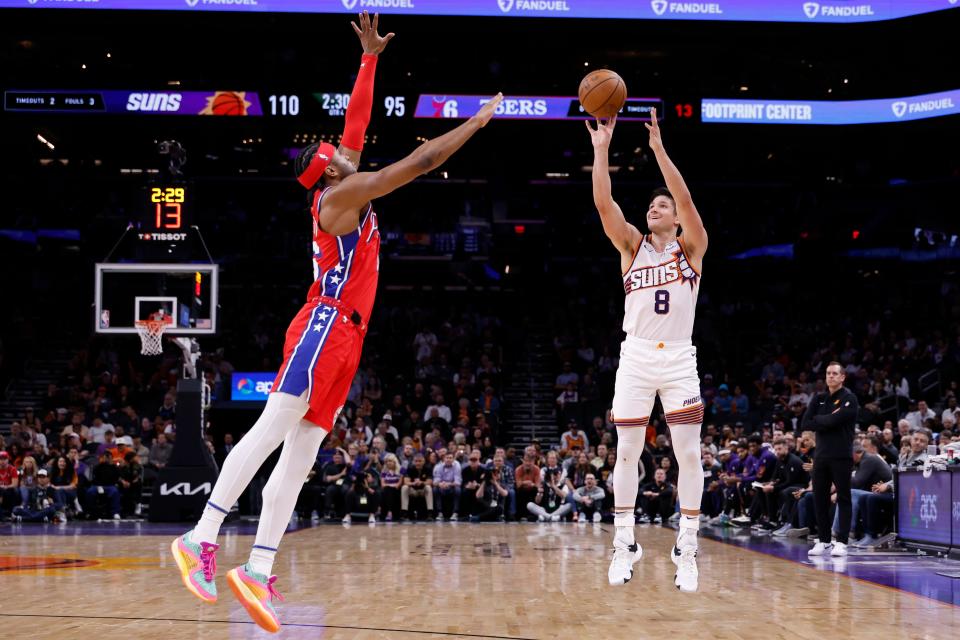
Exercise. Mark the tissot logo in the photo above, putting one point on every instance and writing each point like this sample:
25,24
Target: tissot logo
505,5
349,4
899,108
811,9
659,6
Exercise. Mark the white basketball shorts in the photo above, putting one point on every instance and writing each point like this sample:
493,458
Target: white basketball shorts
648,368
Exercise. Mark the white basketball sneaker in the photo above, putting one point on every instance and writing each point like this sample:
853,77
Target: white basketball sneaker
820,549
839,550
684,556
626,553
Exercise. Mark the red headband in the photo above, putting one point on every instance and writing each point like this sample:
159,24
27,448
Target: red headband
318,164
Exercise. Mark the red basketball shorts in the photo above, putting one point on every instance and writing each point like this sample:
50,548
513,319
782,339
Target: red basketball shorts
320,356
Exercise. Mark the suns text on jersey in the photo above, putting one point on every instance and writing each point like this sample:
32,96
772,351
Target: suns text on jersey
646,277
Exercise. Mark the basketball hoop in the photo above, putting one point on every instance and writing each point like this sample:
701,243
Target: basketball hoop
151,333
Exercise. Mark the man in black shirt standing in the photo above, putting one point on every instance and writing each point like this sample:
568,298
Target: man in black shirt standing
833,416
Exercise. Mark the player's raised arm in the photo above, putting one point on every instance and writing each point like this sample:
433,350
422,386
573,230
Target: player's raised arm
357,190
694,234
361,100
622,234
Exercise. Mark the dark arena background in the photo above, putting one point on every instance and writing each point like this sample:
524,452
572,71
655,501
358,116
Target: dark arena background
148,163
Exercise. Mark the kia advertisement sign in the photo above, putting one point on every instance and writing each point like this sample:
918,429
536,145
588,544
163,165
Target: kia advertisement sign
251,386
833,11
924,507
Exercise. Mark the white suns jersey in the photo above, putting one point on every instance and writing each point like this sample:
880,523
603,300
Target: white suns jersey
661,293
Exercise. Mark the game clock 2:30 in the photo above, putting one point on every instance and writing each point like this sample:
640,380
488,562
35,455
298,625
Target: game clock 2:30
168,207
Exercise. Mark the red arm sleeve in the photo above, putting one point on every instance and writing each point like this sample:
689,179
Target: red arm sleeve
361,103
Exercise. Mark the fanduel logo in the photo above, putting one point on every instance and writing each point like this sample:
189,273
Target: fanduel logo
813,9
533,5
154,102
184,489
902,107
380,4
192,3
662,6
928,509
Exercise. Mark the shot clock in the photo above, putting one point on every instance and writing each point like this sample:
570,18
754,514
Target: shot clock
166,219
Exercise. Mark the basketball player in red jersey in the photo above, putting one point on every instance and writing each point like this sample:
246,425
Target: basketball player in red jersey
323,342
661,280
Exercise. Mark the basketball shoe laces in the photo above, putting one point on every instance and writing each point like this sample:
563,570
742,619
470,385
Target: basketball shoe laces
208,560
273,592
688,560
623,557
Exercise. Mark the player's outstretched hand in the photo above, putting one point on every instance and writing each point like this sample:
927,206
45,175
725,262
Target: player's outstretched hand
656,142
602,135
372,42
486,112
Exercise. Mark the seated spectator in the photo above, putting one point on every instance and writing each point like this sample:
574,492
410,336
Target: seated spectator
599,458
573,436
64,483
576,477
9,485
131,483
474,478
657,499
496,495
447,481
589,499
550,503
41,504
312,493
334,477
106,477
771,501
605,479
569,376
877,508
363,497
916,455
870,470
391,479
28,477
160,454
417,483
918,418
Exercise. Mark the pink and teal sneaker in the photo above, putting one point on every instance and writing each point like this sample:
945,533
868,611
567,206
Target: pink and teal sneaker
255,592
198,566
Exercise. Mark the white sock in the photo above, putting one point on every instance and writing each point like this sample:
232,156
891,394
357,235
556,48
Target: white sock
299,453
689,526
282,413
261,559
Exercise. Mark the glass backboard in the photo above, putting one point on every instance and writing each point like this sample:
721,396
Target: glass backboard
127,292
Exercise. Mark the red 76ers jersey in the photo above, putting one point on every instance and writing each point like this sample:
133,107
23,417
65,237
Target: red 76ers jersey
346,267
661,293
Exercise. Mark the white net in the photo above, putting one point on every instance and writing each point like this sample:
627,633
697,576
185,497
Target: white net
151,335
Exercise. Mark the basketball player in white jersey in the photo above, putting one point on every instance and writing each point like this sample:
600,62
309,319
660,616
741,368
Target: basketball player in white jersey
661,278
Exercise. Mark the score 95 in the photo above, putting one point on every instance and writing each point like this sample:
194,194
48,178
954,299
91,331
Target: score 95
394,106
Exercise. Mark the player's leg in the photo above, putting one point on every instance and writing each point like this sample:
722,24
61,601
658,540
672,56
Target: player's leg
194,552
252,583
683,409
634,394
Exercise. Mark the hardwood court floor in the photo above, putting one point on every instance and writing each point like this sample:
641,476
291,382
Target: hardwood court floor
450,581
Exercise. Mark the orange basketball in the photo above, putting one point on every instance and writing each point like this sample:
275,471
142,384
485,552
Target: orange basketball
228,103
602,93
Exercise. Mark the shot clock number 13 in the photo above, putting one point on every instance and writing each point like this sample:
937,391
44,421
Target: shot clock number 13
168,207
